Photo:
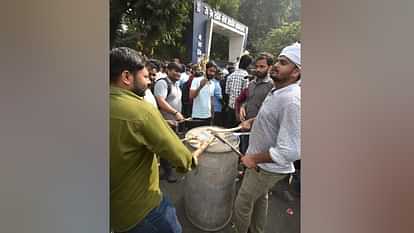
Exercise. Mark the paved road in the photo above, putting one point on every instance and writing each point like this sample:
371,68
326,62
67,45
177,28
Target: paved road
278,220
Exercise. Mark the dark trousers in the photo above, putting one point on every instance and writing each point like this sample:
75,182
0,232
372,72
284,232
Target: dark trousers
218,119
244,143
162,219
296,177
231,118
166,167
187,109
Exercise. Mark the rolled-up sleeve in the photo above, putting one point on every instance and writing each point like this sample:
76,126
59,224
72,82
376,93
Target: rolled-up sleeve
287,148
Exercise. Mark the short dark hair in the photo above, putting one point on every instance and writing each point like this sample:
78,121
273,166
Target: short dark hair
188,66
245,61
151,65
123,58
174,66
155,62
211,64
266,56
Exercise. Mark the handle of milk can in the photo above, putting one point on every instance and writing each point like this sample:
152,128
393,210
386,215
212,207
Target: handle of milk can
203,147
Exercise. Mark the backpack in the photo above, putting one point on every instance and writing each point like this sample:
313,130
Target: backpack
185,90
168,86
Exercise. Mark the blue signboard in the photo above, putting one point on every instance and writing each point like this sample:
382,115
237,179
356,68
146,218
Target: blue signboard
202,13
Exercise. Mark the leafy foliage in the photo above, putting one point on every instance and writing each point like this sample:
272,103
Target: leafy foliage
294,11
159,27
219,47
260,16
149,25
278,38
228,7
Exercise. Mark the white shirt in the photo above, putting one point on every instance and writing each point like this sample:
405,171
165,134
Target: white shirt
149,97
277,130
202,103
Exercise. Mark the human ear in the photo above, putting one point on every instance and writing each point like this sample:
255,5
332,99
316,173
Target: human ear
126,77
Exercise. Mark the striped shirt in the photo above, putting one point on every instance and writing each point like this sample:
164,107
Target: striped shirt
234,84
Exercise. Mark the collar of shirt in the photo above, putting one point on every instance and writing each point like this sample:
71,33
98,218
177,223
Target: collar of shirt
264,80
240,71
169,80
114,90
277,91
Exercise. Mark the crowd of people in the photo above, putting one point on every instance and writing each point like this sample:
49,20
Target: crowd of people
153,103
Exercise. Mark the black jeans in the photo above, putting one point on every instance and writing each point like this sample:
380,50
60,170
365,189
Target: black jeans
231,118
166,166
187,109
218,119
244,143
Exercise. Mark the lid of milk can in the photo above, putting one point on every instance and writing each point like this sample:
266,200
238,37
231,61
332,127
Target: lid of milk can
201,134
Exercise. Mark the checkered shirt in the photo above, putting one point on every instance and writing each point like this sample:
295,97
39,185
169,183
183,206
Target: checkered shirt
234,84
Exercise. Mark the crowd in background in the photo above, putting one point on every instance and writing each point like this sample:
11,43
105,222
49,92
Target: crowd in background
225,91
234,93
261,95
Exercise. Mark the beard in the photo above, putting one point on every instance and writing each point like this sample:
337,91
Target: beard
137,90
281,81
277,79
261,75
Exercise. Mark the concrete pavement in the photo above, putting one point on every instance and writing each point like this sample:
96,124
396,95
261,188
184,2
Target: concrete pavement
279,221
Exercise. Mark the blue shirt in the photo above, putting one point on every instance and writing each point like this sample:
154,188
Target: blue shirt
217,96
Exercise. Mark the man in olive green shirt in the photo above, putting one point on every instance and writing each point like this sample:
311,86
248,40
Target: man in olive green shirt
137,133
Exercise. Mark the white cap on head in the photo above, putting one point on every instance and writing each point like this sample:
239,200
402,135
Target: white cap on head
292,52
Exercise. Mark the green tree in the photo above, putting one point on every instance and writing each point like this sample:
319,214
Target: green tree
219,48
151,26
228,7
294,11
260,16
278,38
